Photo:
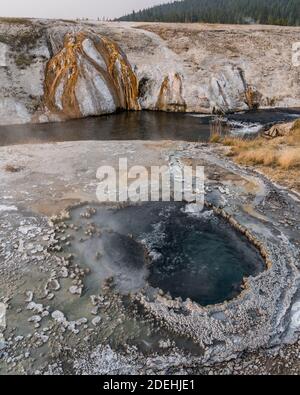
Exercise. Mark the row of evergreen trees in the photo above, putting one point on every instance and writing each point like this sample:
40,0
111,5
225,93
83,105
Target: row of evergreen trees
273,12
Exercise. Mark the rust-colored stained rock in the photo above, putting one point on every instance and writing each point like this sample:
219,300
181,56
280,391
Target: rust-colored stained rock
253,97
89,76
170,95
123,77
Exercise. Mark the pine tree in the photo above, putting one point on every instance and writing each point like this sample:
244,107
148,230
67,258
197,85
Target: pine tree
281,12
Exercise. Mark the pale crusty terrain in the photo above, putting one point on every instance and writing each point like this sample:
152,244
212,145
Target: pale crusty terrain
170,67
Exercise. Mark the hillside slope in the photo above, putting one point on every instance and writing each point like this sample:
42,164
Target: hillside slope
57,70
273,12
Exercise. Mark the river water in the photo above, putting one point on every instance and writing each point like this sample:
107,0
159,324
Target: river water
144,125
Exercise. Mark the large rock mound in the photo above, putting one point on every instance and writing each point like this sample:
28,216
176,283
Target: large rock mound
57,70
89,76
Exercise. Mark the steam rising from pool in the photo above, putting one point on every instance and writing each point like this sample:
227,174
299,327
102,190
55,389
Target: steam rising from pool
196,256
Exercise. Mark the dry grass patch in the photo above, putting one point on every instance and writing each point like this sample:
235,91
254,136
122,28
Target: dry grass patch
296,126
261,156
278,158
294,137
215,138
289,158
282,151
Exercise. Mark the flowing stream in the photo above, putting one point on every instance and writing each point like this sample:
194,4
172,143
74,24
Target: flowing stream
141,125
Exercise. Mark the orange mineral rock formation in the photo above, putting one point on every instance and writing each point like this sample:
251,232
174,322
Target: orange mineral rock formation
89,76
253,97
123,77
170,96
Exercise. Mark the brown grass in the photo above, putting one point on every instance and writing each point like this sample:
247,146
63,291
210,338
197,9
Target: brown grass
261,156
296,126
282,152
289,158
215,138
294,138
279,158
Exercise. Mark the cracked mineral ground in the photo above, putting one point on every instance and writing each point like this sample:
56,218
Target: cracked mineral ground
147,288
160,287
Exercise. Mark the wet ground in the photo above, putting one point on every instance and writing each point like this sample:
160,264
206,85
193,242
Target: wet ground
56,319
162,245
109,292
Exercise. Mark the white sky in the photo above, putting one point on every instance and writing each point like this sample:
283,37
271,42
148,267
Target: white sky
72,8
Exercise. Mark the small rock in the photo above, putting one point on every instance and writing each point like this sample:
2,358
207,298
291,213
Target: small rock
29,296
58,316
75,290
96,321
36,319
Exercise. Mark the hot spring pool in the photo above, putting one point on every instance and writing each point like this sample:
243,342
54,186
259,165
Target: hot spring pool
161,245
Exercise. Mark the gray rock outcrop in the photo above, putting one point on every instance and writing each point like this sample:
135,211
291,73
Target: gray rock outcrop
57,70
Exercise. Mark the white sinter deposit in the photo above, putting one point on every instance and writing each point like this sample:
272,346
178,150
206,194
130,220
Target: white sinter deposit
56,70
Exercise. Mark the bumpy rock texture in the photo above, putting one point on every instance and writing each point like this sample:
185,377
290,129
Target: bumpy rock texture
38,275
280,130
55,70
89,76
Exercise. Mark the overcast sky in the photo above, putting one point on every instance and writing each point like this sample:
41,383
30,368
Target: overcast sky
72,8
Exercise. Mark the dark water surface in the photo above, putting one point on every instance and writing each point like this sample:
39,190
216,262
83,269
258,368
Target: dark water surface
200,257
197,256
144,125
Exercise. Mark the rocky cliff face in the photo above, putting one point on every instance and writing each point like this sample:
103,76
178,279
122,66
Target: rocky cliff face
56,70
89,76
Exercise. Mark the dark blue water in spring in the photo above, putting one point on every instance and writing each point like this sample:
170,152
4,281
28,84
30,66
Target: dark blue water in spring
161,245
